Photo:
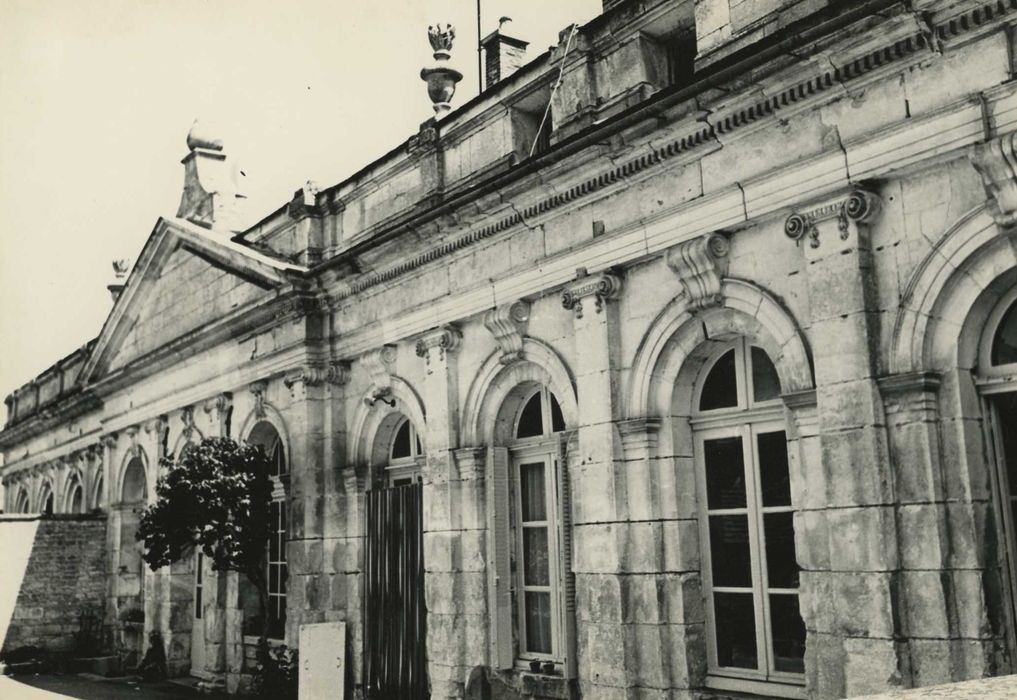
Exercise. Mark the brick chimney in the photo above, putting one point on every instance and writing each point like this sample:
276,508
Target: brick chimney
503,54
211,196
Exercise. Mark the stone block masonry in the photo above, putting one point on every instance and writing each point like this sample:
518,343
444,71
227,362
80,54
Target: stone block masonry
64,575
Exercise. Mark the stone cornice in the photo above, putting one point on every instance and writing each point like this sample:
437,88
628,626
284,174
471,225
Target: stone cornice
507,323
700,265
601,287
860,207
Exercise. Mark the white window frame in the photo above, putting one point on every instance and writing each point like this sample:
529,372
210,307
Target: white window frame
544,448
747,420
410,467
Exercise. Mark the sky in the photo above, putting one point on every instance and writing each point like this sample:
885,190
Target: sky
96,99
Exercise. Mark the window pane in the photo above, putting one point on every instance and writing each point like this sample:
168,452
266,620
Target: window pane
557,419
788,633
401,442
538,622
531,419
1004,344
535,564
531,485
720,390
729,550
725,473
765,382
781,565
736,630
773,472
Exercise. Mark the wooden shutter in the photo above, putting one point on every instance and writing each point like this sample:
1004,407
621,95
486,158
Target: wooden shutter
499,557
567,589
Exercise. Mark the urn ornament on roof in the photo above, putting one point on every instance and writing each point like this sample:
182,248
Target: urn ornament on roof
441,78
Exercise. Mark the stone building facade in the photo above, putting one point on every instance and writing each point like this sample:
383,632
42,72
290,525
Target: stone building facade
708,387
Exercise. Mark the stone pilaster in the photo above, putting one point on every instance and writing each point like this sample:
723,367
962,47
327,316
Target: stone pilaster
601,538
454,584
859,635
307,595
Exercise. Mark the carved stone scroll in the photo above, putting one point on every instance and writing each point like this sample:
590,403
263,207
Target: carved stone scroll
996,161
700,265
507,324
859,207
379,365
601,287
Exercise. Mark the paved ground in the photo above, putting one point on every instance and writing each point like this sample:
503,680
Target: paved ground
53,687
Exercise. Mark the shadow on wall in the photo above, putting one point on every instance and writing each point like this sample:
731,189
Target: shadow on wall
53,586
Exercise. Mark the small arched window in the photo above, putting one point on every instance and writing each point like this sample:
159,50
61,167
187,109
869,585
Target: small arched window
1002,348
98,495
540,416
46,500
21,504
405,454
741,377
75,498
134,489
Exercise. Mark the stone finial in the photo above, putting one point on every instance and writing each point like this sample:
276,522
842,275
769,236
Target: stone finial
212,193
859,207
996,162
700,265
601,287
379,365
441,78
121,266
507,324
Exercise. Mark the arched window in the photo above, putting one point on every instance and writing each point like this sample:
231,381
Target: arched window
98,492
134,488
75,500
405,455
536,485
266,435
46,499
750,571
998,353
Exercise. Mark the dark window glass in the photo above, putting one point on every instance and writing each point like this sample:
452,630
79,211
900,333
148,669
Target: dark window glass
198,579
538,622
788,633
765,382
773,472
48,508
781,565
720,390
725,473
736,630
557,419
729,550
1004,344
531,419
535,568
1006,409
401,442
531,492
420,449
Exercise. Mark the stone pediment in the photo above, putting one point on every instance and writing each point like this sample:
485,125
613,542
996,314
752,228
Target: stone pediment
186,279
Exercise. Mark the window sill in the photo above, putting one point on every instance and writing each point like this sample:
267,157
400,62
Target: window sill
253,639
539,685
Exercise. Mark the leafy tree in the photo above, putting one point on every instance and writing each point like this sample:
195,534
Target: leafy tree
215,496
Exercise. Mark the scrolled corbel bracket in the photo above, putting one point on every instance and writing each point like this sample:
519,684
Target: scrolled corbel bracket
996,163
379,364
507,323
600,288
700,265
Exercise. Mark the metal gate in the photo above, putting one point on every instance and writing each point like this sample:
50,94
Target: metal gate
395,663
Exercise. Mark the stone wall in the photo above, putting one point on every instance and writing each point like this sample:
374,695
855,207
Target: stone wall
65,575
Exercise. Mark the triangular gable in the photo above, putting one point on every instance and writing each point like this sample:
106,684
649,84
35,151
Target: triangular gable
185,278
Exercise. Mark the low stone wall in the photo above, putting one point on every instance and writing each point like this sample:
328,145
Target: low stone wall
65,575
981,689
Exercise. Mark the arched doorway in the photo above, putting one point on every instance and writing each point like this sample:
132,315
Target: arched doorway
395,616
756,635
130,572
